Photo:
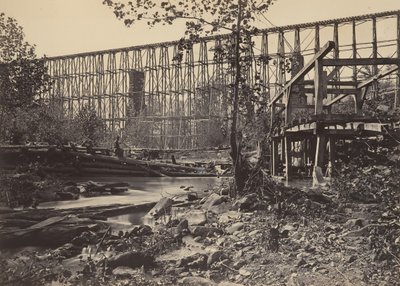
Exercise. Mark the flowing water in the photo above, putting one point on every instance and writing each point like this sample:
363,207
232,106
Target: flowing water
141,190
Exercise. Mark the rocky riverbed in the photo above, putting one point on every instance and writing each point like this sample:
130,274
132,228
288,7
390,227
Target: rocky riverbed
307,238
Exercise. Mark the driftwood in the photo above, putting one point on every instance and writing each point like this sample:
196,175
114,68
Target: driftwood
54,231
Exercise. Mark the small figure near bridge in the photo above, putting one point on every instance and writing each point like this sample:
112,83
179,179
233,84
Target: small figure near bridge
119,152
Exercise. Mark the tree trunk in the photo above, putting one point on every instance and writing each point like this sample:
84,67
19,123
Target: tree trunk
234,140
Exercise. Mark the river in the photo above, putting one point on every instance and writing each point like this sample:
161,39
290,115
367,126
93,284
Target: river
141,190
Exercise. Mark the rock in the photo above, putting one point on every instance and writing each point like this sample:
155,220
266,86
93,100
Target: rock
123,271
161,208
234,227
229,216
141,230
247,203
228,283
224,192
254,232
196,217
220,241
67,196
71,189
85,238
192,196
182,228
197,260
196,281
244,272
355,222
131,259
197,239
214,257
212,200
205,231
68,250
221,208
294,280
301,262
383,108
238,264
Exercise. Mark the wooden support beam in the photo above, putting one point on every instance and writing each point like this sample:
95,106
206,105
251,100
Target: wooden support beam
336,99
334,90
320,86
332,82
317,42
358,98
288,111
308,67
354,47
376,77
275,157
360,62
320,150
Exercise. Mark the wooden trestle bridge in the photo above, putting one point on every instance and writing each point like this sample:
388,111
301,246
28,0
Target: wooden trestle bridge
176,98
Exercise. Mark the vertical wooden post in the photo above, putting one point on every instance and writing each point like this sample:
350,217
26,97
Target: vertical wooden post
288,109
320,150
354,48
274,157
374,55
332,154
320,86
336,52
288,158
358,98
317,43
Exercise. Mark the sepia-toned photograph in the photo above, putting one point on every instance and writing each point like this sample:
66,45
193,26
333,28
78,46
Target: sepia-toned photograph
200,142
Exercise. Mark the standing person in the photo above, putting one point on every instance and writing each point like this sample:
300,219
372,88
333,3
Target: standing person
117,148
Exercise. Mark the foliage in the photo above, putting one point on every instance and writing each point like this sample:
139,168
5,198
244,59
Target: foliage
38,123
26,187
367,182
88,125
23,79
206,18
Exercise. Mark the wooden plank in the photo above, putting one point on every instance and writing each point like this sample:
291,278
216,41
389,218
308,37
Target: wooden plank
308,67
360,62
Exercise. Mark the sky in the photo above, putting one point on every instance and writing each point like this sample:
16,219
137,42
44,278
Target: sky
62,27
